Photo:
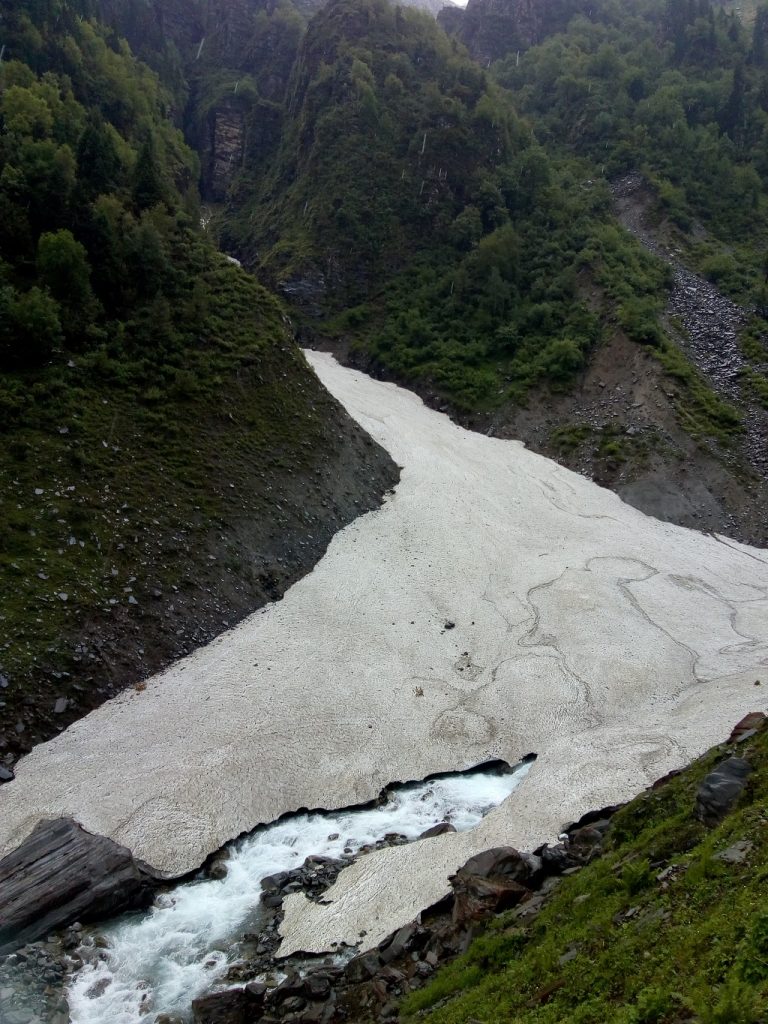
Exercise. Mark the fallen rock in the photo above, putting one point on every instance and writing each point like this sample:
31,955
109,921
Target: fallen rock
401,942
587,843
492,881
234,1006
62,874
736,854
721,789
363,967
748,726
558,858
441,829
501,860
477,897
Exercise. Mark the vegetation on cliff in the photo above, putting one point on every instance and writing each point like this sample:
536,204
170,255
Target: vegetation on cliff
411,208
678,91
159,424
668,925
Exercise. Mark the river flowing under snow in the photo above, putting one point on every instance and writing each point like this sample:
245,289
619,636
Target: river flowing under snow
495,604
159,961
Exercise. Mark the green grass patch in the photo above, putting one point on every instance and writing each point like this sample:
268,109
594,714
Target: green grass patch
664,931
702,412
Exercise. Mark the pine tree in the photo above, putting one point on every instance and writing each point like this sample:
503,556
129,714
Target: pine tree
97,161
148,187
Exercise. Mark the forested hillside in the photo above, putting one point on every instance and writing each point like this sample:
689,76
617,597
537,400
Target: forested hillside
437,209
678,91
455,237
158,421
413,210
449,219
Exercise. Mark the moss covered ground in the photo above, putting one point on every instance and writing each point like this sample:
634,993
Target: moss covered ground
147,505
660,929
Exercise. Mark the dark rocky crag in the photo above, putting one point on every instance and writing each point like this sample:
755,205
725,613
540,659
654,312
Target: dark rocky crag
62,874
491,29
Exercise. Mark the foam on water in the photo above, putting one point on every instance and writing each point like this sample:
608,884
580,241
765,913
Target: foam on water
160,960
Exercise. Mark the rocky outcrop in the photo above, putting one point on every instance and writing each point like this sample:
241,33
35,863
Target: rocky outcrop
492,881
433,7
493,28
450,19
62,874
721,789
228,61
225,155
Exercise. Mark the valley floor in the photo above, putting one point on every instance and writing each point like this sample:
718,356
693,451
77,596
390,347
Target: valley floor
497,604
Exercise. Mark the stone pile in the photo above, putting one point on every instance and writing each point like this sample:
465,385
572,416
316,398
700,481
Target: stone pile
369,985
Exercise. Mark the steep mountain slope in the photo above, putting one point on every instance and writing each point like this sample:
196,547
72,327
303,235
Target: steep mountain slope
410,211
228,63
667,923
168,460
419,226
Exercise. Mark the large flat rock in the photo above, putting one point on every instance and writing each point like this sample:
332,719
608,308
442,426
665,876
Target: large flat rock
62,874
615,646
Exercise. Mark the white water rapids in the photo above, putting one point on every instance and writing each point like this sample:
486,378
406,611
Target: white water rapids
160,960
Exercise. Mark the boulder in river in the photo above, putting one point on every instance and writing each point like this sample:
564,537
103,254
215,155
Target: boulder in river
62,874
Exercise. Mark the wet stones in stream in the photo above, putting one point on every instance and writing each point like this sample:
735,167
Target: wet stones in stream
32,983
313,878
369,985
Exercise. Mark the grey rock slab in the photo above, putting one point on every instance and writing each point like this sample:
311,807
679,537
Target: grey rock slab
738,853
62,874
720,790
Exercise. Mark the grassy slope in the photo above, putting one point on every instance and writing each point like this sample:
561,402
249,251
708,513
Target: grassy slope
656,930
163,513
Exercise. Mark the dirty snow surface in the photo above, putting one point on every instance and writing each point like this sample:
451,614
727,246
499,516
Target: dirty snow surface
496,605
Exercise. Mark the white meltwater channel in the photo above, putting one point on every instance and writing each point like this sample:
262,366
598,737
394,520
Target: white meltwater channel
159,961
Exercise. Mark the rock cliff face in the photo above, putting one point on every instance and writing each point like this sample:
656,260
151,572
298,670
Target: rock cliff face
228,63
225,152
492,28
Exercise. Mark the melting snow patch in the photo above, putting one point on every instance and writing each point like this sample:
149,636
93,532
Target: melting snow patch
161,960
